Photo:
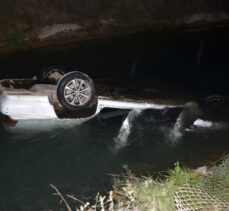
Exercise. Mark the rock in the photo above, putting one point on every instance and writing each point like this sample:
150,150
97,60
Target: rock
52,30
202,171
84,20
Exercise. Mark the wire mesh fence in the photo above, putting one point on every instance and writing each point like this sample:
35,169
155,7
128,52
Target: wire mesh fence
212,195
188,198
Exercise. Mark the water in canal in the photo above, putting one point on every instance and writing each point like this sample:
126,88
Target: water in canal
79,159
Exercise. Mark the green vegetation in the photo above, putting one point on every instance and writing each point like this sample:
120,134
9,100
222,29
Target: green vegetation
155,194
200,189
159,194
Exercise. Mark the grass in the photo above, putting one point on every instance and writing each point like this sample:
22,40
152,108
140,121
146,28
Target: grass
146,193
156,194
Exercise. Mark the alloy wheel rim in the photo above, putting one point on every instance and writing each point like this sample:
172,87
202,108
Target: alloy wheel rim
77,92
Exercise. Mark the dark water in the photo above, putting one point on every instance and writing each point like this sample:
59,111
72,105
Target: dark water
81,159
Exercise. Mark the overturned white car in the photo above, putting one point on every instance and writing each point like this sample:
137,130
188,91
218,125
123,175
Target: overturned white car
56,95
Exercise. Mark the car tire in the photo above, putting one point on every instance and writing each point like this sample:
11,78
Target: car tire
45,75
215,100
76,91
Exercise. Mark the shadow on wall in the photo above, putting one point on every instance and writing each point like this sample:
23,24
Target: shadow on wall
191,56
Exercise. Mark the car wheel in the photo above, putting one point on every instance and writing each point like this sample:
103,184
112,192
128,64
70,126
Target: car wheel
215,100
50,74
76,91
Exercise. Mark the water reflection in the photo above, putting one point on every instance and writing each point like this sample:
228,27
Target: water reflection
79,160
